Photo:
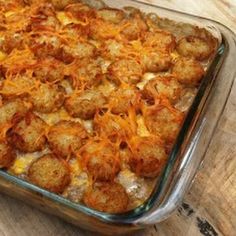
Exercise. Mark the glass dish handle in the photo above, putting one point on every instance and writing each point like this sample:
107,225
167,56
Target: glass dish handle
187,171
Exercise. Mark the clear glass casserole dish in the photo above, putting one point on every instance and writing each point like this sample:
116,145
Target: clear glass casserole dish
184,159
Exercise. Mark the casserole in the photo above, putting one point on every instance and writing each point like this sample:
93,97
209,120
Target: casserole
188,119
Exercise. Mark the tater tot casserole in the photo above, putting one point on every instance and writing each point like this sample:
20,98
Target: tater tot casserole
92,100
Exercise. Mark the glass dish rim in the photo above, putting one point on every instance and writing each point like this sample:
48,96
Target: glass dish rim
79,206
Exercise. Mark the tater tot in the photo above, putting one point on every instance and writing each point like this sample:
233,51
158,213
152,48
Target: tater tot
148,156
50,70
61,4
89,71
163,86
103,30
125,70
100,160
85,104
11,41
28,135
156,62
79,50
164,121
195,47
19,86
112,49
159,41
44,46
7,155
107,197
112,15
113,126
50,172
47,98
66,137
81,11
122,100
44,17
188,71
12,110
134,27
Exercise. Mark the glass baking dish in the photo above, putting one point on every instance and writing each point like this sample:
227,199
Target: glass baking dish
185,158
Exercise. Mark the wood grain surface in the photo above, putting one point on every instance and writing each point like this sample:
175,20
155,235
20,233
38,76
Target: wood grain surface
210,206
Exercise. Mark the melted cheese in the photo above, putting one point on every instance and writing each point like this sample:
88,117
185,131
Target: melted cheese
62,114
24,160
142,129
10,13
63,18
66,19
3,55
146,77
53,118
174,55
107,88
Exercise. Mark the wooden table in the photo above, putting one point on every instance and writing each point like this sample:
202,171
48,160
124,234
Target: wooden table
210,206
